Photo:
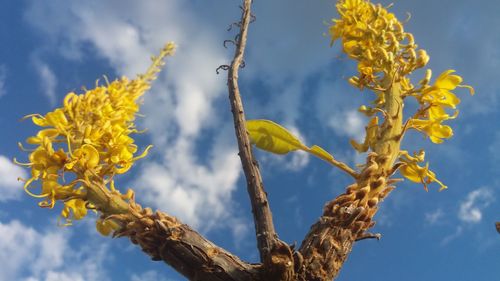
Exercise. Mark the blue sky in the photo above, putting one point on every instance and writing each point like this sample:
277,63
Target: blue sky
293,77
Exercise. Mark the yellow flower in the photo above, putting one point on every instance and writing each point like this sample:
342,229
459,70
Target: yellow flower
434,100
86,156
412,171
106,226
440,93
433,126
51,134
74,208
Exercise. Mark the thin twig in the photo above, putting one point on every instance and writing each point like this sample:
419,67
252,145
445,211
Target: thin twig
264,228
368,235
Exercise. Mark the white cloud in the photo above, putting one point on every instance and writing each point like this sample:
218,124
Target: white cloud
26,254
336,109
447,239
494,148
348,123
48,80
300,159
470,210
3,77
10,187
434,217
149,275
63,276
16,248
197,193
240,229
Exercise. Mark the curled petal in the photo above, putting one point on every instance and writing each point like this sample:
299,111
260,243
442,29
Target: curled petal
448,81
416,173
106,226
76,207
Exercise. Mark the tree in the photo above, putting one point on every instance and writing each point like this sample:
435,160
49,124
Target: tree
87,142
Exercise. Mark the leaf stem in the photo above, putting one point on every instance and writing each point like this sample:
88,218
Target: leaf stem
330,159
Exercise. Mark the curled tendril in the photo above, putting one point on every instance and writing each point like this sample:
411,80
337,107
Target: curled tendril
224,67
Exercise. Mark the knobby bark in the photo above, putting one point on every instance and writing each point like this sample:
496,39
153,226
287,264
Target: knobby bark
348,217
164,238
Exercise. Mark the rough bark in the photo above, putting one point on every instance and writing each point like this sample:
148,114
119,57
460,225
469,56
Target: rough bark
276,256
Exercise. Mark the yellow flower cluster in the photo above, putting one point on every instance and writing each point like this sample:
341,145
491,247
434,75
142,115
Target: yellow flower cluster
386,55
89,137
434,100
376,39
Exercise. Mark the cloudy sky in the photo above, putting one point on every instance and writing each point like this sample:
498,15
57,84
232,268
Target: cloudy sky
292,76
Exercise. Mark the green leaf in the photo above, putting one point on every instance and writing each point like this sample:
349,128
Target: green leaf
271,137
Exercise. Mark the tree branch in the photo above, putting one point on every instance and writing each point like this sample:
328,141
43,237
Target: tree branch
163,237
264,228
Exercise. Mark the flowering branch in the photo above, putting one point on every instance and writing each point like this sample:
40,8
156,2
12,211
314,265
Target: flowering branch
386,55
84,145
87,142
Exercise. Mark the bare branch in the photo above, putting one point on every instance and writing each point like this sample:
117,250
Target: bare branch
264,228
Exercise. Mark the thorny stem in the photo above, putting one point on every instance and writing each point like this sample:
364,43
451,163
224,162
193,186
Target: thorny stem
264,228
